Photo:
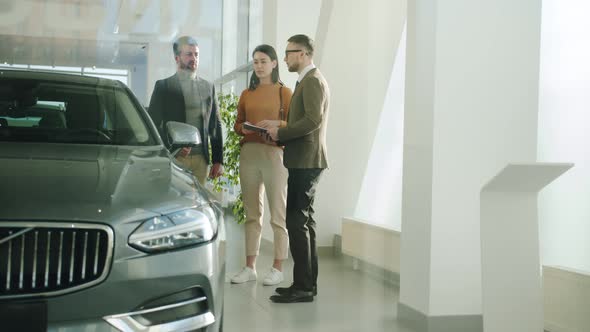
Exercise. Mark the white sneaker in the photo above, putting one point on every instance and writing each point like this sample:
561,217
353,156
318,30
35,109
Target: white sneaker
274,277
247,274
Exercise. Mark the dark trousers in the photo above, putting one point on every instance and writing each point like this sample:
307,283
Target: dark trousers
301,188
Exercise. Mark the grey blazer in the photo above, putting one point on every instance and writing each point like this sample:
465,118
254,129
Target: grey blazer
167,104
304,136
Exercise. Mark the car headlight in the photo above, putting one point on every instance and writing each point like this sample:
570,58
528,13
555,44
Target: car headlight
176,230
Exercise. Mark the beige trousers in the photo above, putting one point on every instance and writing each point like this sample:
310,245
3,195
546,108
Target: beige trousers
261,168
197,164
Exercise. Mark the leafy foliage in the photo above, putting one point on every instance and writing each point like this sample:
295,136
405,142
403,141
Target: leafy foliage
228,111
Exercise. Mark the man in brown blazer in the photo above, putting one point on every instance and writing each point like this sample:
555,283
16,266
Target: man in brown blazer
305,156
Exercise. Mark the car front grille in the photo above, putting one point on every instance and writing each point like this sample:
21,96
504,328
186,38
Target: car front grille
45,259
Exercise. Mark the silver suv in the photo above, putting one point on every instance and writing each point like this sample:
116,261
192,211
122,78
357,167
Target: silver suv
100,229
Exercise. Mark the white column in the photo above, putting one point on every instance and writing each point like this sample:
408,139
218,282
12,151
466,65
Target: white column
471,108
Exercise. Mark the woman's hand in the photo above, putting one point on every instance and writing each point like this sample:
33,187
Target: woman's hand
268,124
247,131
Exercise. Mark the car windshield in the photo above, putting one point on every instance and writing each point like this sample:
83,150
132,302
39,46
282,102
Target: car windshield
62,112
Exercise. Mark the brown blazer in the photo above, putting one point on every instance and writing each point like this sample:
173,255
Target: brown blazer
304,136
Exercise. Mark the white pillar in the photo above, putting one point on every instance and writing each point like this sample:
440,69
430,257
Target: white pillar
471,108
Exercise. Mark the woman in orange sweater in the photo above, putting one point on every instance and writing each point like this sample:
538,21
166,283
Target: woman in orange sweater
261,164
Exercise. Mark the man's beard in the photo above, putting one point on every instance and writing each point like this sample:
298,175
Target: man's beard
186,66
293,68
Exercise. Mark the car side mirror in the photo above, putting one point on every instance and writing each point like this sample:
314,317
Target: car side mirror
181,135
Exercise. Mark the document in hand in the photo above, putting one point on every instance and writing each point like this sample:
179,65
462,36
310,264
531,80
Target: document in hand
252,127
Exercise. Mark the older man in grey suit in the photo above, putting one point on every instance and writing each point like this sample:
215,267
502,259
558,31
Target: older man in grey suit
305,156
185,97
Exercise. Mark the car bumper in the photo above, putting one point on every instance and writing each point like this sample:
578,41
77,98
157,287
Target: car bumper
169,291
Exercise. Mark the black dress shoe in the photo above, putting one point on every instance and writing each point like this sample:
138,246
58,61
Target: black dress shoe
287,290
293,296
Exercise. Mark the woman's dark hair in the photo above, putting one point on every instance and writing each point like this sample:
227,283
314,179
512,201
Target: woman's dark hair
274,76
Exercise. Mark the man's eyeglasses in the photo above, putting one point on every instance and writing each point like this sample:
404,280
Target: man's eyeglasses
291,51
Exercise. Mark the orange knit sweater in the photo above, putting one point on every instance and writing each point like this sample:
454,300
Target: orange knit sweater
261,104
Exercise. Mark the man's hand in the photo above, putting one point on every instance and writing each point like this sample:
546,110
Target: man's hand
273,133
184,152
216,171
268,124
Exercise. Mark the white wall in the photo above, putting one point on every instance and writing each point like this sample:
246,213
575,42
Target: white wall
345,65
293,17
380,199
361,46
357,58
564,133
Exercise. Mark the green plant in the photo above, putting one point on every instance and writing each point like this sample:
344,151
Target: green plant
228,111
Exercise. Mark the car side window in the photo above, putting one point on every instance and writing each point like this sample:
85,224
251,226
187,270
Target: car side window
70,113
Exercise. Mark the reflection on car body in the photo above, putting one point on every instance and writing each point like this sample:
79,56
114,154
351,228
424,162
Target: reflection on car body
100,229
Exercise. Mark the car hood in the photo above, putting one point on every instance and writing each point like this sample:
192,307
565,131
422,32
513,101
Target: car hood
91,183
